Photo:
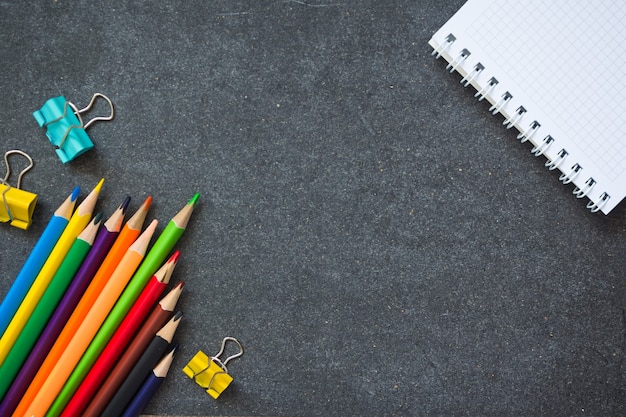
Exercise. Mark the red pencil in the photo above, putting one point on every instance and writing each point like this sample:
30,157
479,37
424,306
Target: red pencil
121,338
158,317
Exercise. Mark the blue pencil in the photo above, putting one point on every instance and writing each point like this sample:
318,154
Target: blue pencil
150,386
36,260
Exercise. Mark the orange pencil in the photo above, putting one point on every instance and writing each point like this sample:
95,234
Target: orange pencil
54,381
129,233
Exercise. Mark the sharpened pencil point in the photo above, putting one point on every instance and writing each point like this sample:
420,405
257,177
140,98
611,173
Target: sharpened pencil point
75,193
97,218
194,199
168,330
165,272
88,204
98,187
163,366
136,221
125,203
182,217
174,257
171,298
89,232
177,316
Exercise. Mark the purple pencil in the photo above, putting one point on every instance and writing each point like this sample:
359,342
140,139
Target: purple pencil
104,240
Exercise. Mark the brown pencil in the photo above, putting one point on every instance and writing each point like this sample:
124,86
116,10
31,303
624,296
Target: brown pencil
158,317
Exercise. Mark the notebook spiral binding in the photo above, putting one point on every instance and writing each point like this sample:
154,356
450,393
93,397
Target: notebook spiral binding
455,63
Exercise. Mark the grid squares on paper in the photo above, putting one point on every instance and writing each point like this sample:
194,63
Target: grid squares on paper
569,82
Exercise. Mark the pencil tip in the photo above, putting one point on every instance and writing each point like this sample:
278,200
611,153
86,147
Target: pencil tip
182,217
97,218
98,187
177,316
152,226
125,203
194,199
147,203
137,220
174,257
171,298
141,244
165,272
75,193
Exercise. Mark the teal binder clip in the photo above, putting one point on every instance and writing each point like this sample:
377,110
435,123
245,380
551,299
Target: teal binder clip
65,127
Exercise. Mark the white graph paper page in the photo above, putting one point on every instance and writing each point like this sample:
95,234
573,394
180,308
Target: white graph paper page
563,63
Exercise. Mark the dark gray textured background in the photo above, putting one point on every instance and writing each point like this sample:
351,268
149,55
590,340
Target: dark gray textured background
379,243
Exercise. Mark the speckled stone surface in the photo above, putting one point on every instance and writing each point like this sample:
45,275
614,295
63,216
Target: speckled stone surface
378,242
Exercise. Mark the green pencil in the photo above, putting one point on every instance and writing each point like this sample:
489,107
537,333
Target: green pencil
49,300
151,263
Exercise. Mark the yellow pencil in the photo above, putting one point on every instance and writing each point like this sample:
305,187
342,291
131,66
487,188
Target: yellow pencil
61,371
76,225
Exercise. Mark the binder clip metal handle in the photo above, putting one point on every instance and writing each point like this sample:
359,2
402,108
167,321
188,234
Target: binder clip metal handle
89,106
211,372
65,127
223,363
17,205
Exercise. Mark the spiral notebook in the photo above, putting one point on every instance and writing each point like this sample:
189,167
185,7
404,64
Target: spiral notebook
555,71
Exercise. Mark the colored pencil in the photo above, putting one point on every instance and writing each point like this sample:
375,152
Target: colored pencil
77,223
153,260
65,275
78,399
155,257
150,385
70,312
36,259
53,382
51,297
148,359
157,319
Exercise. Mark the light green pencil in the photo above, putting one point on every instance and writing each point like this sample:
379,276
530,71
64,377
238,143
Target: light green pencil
49,300
151,263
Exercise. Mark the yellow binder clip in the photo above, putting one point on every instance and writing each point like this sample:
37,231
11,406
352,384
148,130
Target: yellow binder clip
17,205
211,373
